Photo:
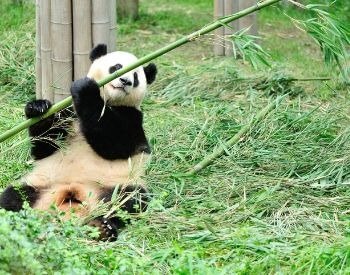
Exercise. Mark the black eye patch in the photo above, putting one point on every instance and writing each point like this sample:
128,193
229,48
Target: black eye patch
115,68
136,80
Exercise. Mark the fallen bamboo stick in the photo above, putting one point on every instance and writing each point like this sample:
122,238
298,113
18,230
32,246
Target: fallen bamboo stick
191,37
220,150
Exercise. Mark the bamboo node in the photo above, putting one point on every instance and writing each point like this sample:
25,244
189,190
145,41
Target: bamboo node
100,22
61,60
81,53
61,23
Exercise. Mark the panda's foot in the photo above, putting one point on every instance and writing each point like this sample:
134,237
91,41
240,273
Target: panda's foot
37,107
108,229
137,198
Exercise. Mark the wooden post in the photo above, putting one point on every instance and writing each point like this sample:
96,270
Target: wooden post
227,7
219,44
128,9
66,31
229,30
249,21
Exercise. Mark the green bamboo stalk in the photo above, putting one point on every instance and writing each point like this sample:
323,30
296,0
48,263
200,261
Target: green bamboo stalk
191,37
220,150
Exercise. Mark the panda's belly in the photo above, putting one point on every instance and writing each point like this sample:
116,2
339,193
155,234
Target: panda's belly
78,163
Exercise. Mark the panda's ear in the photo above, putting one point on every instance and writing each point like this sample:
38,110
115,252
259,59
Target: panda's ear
98,51
150,72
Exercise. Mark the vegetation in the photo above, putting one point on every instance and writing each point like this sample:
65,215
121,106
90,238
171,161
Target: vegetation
276,202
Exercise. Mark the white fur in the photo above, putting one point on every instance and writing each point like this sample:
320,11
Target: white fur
79,166
132,96
78,163
76,166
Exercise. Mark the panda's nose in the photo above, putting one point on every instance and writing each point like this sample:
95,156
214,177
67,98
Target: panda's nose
125,81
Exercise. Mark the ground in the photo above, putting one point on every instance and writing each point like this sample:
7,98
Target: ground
276,202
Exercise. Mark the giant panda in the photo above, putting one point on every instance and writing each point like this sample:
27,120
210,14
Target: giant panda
83,156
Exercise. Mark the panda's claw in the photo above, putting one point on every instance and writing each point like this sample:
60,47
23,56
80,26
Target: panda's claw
37,108
108,230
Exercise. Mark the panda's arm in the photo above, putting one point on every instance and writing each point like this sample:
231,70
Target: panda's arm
113,133
87,100
44,133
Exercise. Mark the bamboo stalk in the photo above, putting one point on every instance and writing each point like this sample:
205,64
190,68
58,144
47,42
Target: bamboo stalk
82,38
100,22
113,25
61,40
220,150
38,84
219,43
45,50
191,37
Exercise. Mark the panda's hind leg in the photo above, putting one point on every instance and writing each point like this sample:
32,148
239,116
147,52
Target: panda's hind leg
134,197
13,197
134,200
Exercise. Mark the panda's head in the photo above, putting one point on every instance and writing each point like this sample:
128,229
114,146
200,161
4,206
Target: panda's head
127,90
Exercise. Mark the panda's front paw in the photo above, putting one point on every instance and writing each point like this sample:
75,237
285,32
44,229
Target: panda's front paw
108,229
37,107
84,86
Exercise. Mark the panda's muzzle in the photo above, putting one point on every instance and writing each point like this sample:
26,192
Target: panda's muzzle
125,81
71,198
122,88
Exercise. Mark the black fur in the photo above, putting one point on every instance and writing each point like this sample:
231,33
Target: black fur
44,133
12,198
98,51
118,134
108,229
136,80
135,204
37,108
125,81
150,72
115,68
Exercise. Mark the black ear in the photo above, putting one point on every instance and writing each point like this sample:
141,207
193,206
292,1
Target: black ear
150,72
98,51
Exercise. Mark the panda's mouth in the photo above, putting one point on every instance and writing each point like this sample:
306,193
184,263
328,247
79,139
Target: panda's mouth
122,88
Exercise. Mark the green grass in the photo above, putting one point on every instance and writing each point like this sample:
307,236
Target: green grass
277,202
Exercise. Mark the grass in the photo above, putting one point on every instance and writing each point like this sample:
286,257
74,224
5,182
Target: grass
276,202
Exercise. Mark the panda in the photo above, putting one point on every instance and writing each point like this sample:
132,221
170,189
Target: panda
86,155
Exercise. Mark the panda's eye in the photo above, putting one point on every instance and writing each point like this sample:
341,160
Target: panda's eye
115,68
136,80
